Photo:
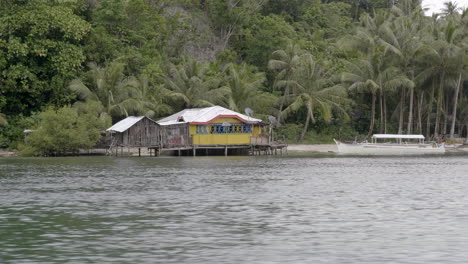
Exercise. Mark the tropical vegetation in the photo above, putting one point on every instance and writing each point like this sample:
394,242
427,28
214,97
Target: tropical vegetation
323,68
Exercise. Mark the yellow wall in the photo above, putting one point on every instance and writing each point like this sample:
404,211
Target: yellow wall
222,139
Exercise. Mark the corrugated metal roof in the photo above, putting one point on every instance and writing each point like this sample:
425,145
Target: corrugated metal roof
204,115
168,123
125,124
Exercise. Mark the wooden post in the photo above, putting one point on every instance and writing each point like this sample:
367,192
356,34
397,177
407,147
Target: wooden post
179,152
159,153
194,151
225,151
139,152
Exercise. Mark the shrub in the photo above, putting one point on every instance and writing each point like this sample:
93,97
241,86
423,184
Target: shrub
63,131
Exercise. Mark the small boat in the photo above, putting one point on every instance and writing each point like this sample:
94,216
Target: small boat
392,145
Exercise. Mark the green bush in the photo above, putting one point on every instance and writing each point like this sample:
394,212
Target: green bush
63,131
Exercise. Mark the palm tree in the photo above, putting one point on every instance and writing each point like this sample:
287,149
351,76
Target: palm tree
189,84
285,63
401,38
244,85
366,76
450,8
154,97
445,58
362,77
116,93
367,41
315,92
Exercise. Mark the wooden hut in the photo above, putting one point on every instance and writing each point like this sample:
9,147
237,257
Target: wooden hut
215,127
175,136
135,132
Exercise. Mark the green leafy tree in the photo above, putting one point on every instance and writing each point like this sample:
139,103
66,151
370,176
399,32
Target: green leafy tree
260,37
40,51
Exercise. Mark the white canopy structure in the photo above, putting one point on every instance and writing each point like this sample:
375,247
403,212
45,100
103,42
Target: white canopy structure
396,136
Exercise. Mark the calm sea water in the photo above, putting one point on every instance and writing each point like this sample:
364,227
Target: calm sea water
321,209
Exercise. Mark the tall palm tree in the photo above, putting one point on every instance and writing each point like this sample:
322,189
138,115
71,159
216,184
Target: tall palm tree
366,76
316,93
116,93
244,85
401,39
285,63
446,59
450,8
154,97
367,41
189,84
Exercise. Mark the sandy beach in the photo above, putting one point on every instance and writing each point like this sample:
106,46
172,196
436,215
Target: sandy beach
321,148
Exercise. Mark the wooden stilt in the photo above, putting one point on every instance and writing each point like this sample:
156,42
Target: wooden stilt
225,151
139,152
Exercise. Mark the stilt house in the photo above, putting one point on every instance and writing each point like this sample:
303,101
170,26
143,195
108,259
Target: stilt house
136,132
216,126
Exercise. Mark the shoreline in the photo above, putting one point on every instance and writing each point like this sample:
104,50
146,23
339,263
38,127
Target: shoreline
292,149
313,148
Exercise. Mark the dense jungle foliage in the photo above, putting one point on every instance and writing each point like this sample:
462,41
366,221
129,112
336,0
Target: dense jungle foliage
323,68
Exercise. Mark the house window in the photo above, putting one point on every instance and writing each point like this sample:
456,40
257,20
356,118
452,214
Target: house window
218,128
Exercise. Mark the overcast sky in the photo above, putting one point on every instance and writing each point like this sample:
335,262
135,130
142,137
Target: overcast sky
435,5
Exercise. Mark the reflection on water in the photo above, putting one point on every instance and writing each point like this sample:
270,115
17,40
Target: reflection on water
234,210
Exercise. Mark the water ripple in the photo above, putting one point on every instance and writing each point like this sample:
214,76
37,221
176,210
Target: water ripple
234,210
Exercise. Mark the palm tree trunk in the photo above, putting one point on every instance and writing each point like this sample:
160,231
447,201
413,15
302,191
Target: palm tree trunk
466,140
420,106
429,110
306,126
410,112
371,126
385,114
444,125
381,123
455,104
440,98
286,91
402,103
460,129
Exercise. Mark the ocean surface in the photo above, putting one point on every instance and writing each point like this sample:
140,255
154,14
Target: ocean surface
290,209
